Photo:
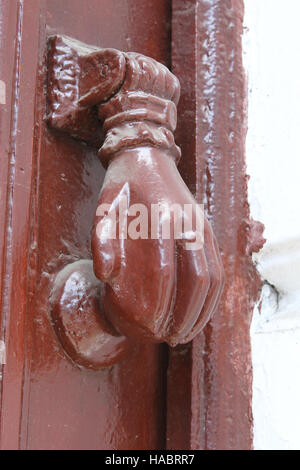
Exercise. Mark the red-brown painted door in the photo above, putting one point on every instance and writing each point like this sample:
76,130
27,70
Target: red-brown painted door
50,185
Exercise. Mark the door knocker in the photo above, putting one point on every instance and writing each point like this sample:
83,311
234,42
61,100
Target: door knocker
154,285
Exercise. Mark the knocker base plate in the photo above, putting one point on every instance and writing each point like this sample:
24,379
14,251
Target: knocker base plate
78,319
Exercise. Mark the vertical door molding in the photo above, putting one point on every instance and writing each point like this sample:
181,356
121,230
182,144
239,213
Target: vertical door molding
21,60
211,378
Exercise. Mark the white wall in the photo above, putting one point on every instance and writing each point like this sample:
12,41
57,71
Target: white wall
272,61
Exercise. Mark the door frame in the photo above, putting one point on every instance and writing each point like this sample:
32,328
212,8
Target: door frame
211,378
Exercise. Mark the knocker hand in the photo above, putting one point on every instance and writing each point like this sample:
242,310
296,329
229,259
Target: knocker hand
161,283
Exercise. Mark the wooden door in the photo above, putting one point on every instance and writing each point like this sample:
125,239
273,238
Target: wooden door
48,209
196,396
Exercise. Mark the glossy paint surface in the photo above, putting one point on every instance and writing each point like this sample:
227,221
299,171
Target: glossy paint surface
175,290
154,288
48,402
49,191
79,320
212,376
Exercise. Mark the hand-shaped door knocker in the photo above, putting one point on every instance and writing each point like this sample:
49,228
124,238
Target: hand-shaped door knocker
156,273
